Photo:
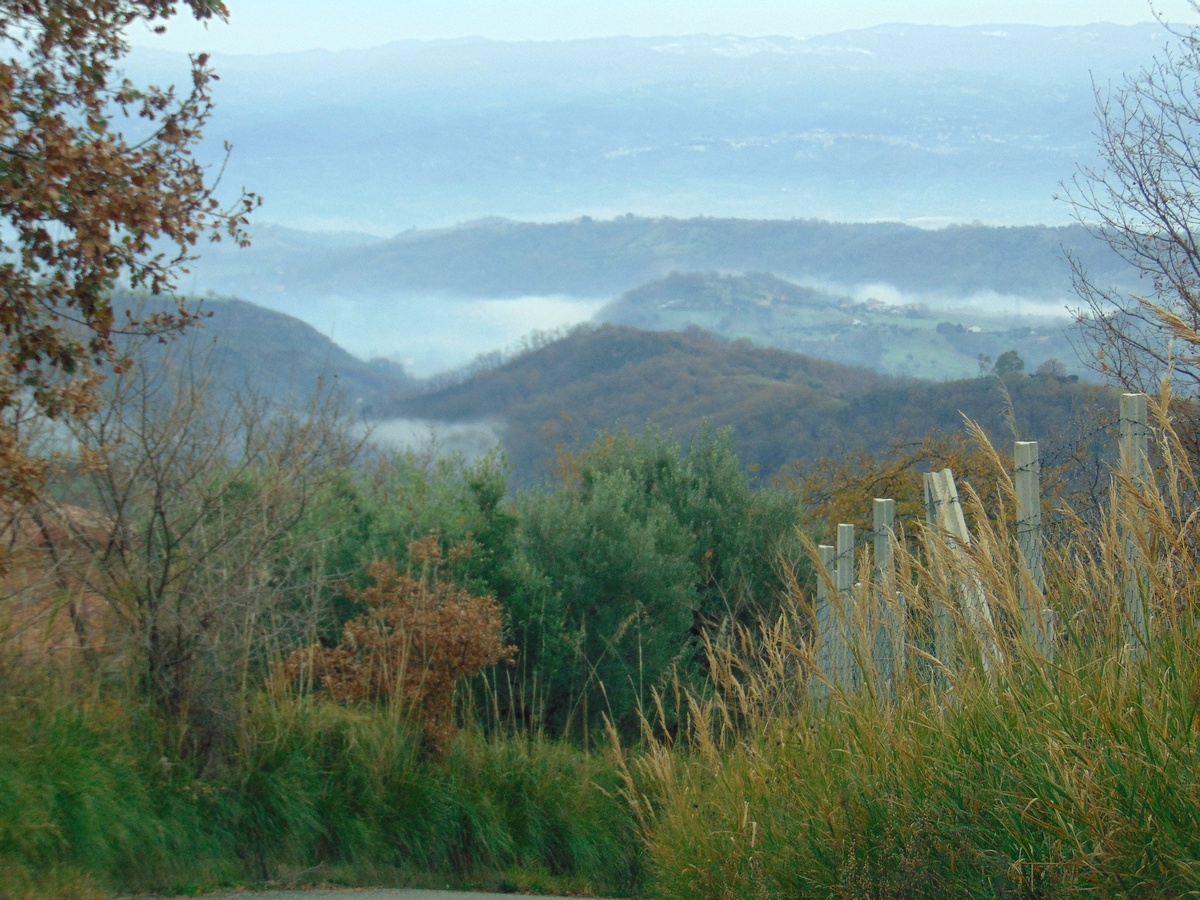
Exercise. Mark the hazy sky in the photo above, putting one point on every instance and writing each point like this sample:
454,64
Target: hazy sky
266,26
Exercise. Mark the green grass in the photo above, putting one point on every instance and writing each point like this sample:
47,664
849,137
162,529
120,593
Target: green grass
90,803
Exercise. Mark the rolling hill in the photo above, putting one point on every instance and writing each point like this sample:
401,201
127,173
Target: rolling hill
783,407
893,338
239,345
599,258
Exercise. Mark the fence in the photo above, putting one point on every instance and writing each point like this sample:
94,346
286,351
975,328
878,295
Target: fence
863,625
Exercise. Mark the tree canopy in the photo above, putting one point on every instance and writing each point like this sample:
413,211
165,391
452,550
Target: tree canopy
98,185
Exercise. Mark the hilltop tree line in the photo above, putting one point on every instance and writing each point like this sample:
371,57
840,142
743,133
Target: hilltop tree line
784,409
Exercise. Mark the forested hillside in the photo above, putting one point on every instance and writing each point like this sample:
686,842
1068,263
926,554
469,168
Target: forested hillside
238,346
782,407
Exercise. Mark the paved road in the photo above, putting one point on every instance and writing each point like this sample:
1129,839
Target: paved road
368,894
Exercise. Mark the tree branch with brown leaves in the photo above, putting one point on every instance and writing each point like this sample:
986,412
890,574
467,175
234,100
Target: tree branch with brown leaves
98,185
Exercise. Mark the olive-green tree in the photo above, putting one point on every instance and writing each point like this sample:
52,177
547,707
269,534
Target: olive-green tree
641,554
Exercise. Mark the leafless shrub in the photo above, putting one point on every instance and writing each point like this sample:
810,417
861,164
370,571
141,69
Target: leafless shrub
202,562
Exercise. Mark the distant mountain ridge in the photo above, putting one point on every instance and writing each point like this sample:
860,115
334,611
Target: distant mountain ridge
589,257
457,287
898,122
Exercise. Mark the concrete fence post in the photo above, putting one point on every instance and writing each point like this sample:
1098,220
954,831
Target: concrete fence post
848,619
947,519
1135,451
1038,620
827,631
891,617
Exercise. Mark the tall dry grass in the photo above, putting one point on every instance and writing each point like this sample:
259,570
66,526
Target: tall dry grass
992,765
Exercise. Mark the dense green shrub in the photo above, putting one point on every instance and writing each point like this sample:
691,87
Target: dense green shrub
644,551
609,579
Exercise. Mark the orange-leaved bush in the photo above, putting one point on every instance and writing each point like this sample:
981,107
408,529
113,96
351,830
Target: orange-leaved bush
418,636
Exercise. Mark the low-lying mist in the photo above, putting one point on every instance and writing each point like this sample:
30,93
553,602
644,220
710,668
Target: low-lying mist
470,440
432,334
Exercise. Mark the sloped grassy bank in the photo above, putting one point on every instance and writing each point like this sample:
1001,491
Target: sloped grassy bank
92,801
1069,786
1080,781
1074,773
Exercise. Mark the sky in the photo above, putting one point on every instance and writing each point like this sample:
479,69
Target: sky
273,26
